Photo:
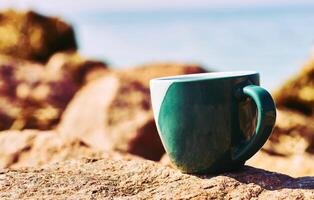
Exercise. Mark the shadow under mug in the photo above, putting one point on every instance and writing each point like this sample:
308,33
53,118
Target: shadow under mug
212,122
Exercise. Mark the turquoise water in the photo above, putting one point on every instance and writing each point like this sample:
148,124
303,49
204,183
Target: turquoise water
275,41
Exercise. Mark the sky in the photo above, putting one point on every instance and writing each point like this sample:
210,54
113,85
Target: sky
63,6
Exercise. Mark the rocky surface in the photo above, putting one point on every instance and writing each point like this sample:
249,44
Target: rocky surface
290,148
297,165
114,111
36,148
118,178
32,36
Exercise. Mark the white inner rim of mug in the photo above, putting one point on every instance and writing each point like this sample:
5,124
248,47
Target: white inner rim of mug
210,75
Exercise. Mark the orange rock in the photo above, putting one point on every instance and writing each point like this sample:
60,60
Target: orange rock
114,112
111,178
296,165
29,97
33,95
298,92
36,148
29,35
293,134
291,146
79,68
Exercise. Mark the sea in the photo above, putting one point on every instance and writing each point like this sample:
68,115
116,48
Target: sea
273,40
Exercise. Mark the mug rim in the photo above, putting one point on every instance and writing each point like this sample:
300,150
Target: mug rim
204,76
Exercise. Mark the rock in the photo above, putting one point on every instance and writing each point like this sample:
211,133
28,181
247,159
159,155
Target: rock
114,111
113,178
298,93
295,165
291,146
80,69
293,134
35,148
29,35
33,95
165,160
155,70
30,97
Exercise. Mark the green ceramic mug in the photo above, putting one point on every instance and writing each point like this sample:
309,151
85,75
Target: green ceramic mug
212,122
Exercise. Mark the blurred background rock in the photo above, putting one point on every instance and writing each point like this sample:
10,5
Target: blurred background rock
79,106
31,36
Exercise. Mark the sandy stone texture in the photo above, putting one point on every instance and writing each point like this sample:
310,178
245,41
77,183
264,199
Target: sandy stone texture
118,178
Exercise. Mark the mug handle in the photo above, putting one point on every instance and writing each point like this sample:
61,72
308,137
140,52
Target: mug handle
266,118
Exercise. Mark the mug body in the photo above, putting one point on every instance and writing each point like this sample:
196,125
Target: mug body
201,120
